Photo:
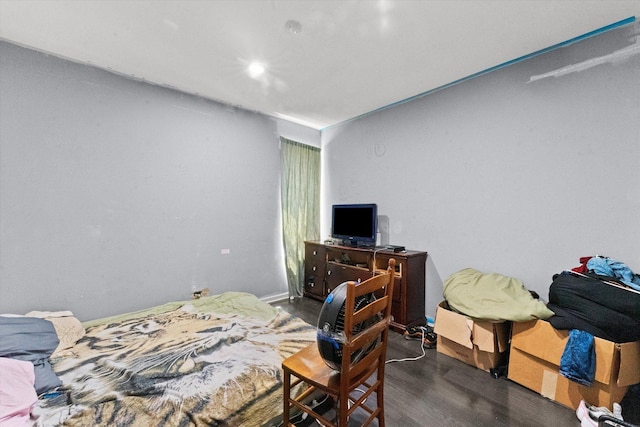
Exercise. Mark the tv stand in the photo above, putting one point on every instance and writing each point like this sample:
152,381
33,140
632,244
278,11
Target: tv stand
356,244
366,245
327,266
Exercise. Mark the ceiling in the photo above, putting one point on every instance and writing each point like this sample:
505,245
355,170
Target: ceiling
325,61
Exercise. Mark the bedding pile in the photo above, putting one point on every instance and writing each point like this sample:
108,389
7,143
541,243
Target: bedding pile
31,340
492,296
213,361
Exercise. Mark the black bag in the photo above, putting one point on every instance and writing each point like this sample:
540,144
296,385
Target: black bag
596,304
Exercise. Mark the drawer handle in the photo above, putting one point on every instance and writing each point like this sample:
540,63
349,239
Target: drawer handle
314,268
329,273
315,252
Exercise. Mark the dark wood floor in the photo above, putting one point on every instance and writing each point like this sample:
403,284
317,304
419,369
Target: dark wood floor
438,390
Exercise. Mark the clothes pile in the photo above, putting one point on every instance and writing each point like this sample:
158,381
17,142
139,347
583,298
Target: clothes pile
601,296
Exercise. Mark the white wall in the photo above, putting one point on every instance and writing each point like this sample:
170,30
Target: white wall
117,195
503,175
299,133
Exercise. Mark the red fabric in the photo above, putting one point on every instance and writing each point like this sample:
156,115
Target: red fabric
582,268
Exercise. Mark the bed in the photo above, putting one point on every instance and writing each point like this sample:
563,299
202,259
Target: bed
214,361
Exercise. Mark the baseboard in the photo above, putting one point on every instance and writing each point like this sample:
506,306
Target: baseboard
275,297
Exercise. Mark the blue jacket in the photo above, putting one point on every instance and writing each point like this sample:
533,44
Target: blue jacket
612,268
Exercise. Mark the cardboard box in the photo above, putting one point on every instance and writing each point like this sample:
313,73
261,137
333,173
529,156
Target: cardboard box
480,343
536,349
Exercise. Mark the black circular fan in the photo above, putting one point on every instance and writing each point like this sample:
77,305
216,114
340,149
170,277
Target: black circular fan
330,335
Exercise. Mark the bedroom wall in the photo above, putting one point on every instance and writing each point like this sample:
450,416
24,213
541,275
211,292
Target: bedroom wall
502,175
116,195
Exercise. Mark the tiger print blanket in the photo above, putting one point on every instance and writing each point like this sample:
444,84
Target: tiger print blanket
211,362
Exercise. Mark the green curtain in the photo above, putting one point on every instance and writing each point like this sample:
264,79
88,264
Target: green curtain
300,195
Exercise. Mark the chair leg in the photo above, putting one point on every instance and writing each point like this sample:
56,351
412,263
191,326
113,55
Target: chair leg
380,400
286,380
343,410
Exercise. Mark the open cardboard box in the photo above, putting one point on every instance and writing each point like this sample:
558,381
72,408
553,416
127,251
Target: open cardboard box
534,361
480,343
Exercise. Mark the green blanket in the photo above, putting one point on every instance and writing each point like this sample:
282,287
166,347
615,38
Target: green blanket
492,296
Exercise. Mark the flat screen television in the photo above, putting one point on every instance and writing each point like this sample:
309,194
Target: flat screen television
355,224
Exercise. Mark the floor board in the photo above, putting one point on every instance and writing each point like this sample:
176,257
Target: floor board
438,390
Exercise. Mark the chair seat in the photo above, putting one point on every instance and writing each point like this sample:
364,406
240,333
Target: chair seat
308,364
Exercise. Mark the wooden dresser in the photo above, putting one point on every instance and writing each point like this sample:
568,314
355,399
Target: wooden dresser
327,266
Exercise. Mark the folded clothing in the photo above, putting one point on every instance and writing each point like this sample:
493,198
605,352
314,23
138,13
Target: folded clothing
33,340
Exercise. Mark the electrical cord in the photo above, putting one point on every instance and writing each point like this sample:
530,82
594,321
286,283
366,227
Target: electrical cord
373,270
411,359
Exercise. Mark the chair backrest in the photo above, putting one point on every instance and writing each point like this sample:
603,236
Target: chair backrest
375,317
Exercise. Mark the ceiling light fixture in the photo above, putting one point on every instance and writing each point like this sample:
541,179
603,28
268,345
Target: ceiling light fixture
256,69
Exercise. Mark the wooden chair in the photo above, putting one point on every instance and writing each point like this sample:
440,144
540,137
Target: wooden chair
351,387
